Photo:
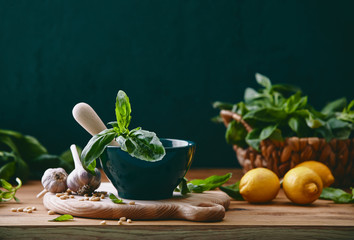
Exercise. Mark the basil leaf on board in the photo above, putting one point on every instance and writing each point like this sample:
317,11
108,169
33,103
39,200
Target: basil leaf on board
182,187
142,144
123,110
62,218
115,199
95,148
233,191
210,183
337,195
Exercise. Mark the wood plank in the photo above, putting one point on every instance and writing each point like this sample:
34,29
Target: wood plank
279,218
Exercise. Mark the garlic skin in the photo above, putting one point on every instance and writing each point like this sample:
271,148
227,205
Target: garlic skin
54,180
81,181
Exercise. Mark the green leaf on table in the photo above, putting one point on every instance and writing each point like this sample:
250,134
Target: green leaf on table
62,218
233,191
337,195
95,148
115,199
6,184
210,183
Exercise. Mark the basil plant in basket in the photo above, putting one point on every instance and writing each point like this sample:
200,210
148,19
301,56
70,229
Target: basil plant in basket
137,142
280,111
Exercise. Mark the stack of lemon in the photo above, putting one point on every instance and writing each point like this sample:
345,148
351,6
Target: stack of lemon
302,184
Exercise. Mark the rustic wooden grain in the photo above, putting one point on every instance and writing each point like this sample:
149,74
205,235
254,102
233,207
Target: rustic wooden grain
208,206
276,220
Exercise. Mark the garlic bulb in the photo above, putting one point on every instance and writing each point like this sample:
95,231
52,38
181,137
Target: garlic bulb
54,180
79,180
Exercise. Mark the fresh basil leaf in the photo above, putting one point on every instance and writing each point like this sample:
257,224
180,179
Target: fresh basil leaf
251,94
263,81
123,110
299,126
285,90
340,129
334,106
142,144
62,218
19,183
295,102
337,195
267,131
8,170
6,184
253,138
210,183
235,134
182,187
222,105
115,199
266,115
95,148
233,191
313,122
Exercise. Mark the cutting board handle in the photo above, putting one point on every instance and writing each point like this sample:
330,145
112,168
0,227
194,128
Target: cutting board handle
201,212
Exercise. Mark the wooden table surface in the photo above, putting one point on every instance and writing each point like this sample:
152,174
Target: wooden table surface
276,220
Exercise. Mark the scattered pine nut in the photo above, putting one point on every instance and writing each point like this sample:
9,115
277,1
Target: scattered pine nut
131,203
129,221
50,212
20,209
29,211
13,209
87,198
122,219
59,194
63,198
102,196
103,223
72,196
34,209
81,199
120,222
68,190
86,195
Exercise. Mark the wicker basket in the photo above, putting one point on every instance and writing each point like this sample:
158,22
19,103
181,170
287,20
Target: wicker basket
280,156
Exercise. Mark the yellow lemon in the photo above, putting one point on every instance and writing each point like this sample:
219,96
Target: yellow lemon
302,185
259,185
321,169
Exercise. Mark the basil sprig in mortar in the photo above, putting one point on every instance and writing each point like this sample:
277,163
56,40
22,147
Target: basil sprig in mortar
138,143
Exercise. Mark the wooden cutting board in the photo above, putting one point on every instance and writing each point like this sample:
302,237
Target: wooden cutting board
207,206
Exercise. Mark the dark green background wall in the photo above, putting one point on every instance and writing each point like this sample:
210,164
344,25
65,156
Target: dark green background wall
173,58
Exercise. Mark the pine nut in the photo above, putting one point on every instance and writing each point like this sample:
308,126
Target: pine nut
129,221
72,196
122,219
87,198
20,209
102,196
50,212
120,222
13,209
34,209
103,223
59,194
63,198
81,199
86,195
29,211
131,203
